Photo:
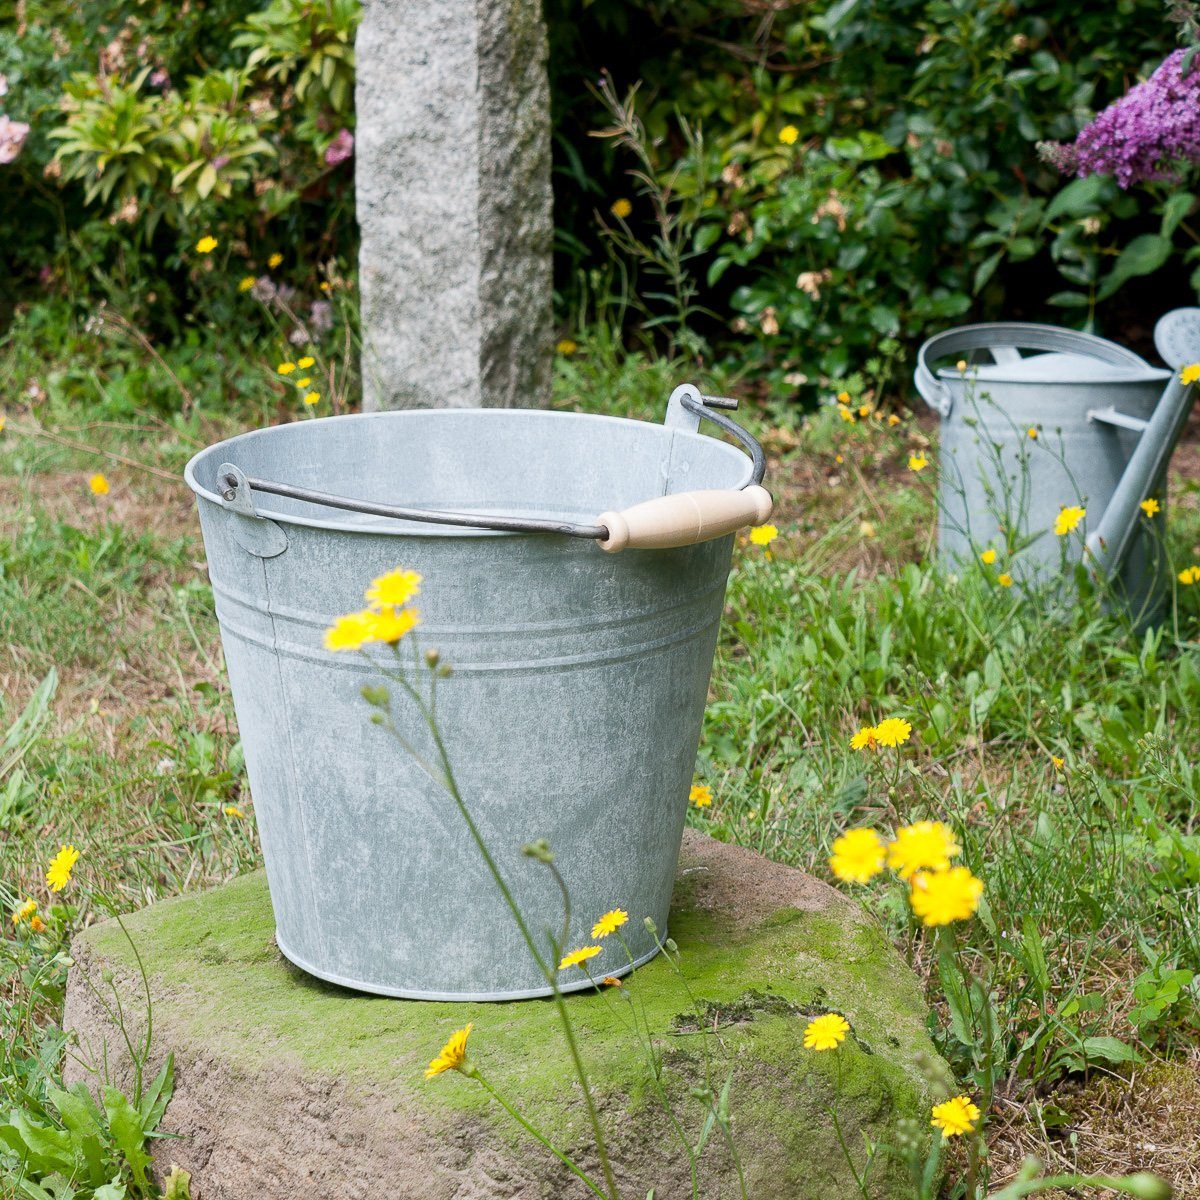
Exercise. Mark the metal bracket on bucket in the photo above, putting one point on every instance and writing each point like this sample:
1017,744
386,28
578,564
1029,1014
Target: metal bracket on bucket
256,534
681,519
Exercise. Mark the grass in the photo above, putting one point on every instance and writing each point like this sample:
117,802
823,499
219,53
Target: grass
1090,931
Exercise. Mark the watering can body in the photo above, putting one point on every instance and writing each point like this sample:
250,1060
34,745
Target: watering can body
1083,423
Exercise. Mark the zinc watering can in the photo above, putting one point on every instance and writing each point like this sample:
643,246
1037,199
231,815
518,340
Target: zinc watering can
1082,422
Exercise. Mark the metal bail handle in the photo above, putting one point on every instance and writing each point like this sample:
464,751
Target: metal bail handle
938,394
681,519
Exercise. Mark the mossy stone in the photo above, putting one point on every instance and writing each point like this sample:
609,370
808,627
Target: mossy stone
289,1086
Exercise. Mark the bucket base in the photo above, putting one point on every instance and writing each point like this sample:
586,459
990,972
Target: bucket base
376,989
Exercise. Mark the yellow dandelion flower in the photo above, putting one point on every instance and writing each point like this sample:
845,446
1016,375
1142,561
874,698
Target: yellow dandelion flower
763,535
58,873
893,419
837,458
326,286
285,368
943,897
394,589
1032,433
1004,579
391,626
847,415
892,732
858,856
961,366
610,923
1150,507
305,362
1190,374
26,910
303,383
37,925
274,260
578,957
826,1032
843,397
988,557
1068,519
566,346
351,632
700,795
922,846
865,739
1058,763
1189,575
788,135
917,462
3,422
621,208
311,398
955,1117
98,484
232,810
247,282
453,1055
207,244
864,410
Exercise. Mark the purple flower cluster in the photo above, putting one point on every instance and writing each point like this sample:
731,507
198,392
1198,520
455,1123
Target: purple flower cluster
1150,133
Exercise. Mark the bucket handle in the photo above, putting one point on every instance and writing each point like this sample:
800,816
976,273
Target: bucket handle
1007,334
680,519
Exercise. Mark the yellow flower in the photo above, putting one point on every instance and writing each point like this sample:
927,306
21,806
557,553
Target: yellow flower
394,589
311,398
303,383
956,1116
1190,575
58,873
285,368
27,910
621,208
232,810
988,557
1150,506
206,245
391,626
923,846
892,732
3,422
99,485
1058,762
917,462
866,528
961,365
893,419
248,281
1190,374
578,957
566,346
1032,432
1068,518
305,362
788,135
326,286
865,739
453,1055
843,397
858,856
826,1032
351,632
847,415
610,923
274,260
763,535
1004,579
864,410
942,897
611,981
37,924
700,795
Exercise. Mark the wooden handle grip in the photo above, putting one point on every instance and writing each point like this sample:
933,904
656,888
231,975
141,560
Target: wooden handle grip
684,518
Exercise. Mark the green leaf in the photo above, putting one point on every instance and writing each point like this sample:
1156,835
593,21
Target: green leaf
1108,1049
1079,198
1143,256
127,1131
1178,205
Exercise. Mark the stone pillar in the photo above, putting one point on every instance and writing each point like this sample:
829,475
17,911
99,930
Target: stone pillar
453,192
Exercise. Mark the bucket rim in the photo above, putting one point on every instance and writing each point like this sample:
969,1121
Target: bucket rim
421,529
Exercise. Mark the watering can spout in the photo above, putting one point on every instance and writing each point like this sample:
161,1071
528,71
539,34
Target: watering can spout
1177,337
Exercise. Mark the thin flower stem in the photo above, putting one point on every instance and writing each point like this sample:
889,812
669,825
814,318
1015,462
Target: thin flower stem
536,1133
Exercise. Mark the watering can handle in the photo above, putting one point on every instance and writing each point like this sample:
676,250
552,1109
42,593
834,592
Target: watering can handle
1009,334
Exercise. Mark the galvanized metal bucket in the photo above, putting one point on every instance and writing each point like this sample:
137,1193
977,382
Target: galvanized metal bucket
579,677
1082,422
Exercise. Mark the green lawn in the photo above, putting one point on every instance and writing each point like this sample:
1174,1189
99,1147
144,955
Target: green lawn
1084,1033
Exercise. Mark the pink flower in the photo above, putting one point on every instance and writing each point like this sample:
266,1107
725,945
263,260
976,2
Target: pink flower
12,138
340,149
